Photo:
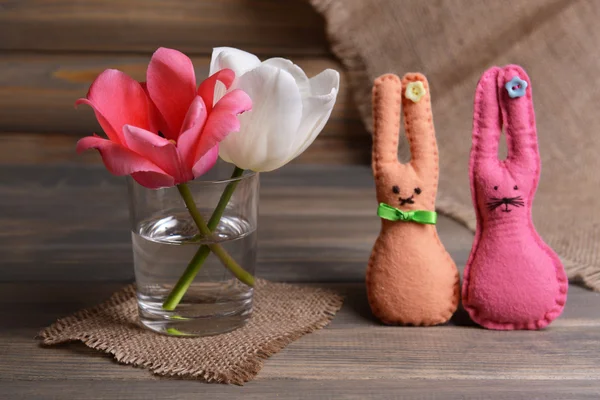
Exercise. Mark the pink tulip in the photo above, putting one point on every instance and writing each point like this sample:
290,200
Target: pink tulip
165,131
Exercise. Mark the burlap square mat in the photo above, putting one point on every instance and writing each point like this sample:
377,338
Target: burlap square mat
282,313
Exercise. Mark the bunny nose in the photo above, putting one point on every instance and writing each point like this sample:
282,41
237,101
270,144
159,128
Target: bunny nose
505,199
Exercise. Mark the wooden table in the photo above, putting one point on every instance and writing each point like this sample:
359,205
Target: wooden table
66,245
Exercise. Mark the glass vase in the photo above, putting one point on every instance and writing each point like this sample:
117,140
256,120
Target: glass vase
183,287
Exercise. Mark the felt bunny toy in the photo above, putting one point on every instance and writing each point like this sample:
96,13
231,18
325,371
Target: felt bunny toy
411,279
512,279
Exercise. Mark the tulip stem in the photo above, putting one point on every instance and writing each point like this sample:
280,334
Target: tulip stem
197,261
224,200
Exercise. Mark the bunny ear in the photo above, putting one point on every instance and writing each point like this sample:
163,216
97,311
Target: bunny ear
387,94
516,103
418,123
487,118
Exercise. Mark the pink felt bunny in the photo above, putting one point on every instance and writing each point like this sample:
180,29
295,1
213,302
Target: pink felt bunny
513,280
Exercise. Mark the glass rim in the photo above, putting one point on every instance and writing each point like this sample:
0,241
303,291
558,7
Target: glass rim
246,175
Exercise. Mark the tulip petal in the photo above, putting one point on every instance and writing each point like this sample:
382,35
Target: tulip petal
206,90
237,60
266,137
121,161
316,109
171,83
297,72
206,162
152,180
157,122
191,130
223,120
160,151
323,83
117,100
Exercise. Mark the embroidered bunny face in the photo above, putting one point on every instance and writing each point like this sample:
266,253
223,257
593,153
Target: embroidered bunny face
503,192
407,191
507,203
406,200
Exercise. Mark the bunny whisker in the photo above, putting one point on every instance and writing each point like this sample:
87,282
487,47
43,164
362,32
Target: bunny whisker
516,203
493,205
496,202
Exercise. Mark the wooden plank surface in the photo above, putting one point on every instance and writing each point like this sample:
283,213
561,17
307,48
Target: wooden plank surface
262,26
65,246
353,349
342,389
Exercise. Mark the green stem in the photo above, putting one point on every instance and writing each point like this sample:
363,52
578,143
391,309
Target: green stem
224,200
186,279
197,261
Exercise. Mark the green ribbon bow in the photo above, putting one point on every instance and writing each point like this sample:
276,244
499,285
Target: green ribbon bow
419,216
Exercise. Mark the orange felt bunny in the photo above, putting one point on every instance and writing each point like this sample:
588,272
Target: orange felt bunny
411,279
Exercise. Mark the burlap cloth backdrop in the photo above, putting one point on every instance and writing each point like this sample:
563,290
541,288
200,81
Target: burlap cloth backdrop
453,42
282,313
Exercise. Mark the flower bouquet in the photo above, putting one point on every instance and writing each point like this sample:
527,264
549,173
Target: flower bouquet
167,134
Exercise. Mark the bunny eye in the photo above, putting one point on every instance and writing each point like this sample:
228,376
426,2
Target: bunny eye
418,190
396,189
495,187
516,187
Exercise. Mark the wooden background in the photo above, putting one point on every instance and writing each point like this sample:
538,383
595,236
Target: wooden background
51,50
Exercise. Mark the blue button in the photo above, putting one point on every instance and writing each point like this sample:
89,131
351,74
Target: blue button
516,87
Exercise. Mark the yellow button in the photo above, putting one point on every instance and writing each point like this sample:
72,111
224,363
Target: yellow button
415,91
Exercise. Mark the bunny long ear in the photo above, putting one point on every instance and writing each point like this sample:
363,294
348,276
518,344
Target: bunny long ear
418,123
487,118
516,103
387,94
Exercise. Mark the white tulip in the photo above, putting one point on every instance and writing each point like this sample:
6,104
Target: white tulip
288,109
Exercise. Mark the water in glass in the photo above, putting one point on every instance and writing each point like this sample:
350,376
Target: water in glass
216,302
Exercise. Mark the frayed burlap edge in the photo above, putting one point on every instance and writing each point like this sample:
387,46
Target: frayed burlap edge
340,38
240,373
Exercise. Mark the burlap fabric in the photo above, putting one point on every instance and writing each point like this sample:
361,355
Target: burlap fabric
453,42
282,313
